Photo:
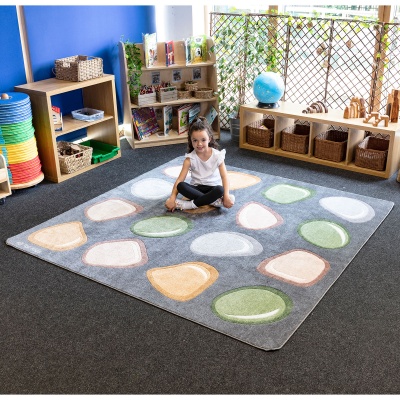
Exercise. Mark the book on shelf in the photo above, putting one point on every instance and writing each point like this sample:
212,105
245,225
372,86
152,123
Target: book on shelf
169,53
150,49
183,118
167,111
187,51
211,114
194,112
57,118
144,122
198,49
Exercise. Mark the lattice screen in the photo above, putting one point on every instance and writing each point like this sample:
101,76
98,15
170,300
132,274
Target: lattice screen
318,58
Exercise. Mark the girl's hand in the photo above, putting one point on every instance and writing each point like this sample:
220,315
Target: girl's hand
227,201
170,204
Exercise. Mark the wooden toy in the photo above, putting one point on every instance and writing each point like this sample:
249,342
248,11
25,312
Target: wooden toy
377,118
392,108
356,108
316,107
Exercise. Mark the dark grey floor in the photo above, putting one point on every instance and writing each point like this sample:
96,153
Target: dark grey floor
62,333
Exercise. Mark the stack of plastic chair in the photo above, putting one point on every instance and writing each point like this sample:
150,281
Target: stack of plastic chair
17,140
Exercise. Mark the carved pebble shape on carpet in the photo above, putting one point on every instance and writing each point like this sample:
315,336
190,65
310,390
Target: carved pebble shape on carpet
252,305
241,180
60,237
325,234
162,226
349,209
125,253
297,267
257,216
225,244
284,193
152,189
183,282
111,209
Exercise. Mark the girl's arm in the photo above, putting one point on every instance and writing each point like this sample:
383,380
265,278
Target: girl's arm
170,202
228,203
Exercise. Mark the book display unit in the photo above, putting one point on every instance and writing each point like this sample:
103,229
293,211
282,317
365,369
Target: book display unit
98,94
202,73
289,113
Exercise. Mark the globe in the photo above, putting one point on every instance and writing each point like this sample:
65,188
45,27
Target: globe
268,88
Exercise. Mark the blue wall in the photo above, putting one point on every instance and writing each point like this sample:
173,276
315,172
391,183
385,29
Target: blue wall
61,31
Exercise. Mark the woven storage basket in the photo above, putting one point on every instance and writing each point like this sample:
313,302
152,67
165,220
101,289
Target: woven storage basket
295,138
78,68
74,162
261,137
203,93
191,86
372,153
331,145
184,94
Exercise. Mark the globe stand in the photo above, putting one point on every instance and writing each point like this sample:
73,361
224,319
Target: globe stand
267,105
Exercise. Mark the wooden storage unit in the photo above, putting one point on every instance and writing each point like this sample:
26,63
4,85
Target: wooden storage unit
208,79
5,188
98,93
288,113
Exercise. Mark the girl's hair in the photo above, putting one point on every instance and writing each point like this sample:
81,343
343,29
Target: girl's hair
201,124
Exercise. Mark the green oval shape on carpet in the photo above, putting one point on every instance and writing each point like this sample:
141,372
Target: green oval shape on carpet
252,305
162,226
284,193
326,234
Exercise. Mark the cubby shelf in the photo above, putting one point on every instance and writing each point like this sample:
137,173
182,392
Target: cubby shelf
288,113
208,79
98,93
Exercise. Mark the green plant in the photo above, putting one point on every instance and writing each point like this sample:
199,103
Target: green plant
134,66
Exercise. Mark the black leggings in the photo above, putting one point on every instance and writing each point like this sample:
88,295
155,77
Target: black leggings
201,194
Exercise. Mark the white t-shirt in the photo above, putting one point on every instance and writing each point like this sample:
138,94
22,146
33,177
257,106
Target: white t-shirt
206,172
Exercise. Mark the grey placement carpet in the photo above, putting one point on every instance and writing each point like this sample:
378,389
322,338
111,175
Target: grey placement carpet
253,272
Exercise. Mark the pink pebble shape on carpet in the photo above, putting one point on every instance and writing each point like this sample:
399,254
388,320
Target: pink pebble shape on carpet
125,253
257,216
111,209
183,282
297,267
241,180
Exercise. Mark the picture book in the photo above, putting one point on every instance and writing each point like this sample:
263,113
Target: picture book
183,118
57,118
169,53
198,49
150,49
211,114
187,51
167,110
194,112
145,122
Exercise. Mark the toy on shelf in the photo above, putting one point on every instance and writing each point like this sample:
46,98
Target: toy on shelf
356,109
316,107
392,108
378,118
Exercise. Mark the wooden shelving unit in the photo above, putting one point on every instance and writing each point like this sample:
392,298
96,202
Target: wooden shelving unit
208,79
288,113
97,93
5,188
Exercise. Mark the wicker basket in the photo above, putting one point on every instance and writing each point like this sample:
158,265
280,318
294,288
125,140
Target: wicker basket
261,137
165,94
184,94
372,153
74,162
78,68
191,86
331,145
204,93
295,138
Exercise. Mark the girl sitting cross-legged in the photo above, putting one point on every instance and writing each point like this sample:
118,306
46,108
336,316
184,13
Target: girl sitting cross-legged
209,184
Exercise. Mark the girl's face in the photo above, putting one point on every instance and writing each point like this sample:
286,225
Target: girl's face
200,141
